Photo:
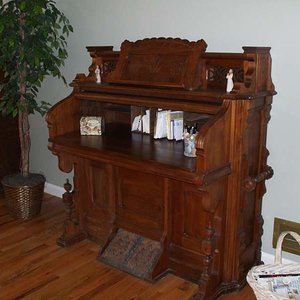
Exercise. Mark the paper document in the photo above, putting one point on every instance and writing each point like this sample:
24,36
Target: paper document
175,125
161,125
137,123
146,122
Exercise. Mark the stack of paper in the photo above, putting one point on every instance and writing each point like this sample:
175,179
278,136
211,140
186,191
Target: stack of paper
175,125
146,122
141,123
137,123
169,124
161,125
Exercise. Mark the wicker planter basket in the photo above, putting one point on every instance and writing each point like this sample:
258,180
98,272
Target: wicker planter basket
24,202
277,268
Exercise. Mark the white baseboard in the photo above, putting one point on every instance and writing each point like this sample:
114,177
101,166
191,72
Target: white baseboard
268,258
54,190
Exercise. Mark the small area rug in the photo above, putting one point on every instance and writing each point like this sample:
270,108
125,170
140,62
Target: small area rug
132,253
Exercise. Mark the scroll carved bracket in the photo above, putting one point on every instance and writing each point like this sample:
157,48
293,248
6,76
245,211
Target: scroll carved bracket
65,164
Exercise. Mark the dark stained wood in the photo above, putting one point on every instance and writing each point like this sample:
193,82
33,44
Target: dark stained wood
33,267
120,142
177,60
9,147
206,211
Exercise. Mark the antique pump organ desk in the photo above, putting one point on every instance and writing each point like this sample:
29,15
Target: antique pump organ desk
197,217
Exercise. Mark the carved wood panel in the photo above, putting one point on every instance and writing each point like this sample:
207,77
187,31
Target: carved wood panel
140,202
100,200
216,75
188,231
160,69
160,62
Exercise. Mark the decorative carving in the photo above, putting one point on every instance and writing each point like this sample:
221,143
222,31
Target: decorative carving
105,58
161,42
217,74
259,69
249,72
165,69
108,66
207,251
160,62
72,232
260,223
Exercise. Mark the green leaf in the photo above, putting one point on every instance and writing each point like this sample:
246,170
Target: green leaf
37,60
40,50
15,112
38,9
23,5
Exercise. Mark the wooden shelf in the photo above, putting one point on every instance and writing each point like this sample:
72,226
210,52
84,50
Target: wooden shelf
118,140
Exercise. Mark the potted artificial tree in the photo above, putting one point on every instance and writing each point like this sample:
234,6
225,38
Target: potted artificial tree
32,46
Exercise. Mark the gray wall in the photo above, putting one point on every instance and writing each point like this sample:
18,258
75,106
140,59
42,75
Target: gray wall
225,26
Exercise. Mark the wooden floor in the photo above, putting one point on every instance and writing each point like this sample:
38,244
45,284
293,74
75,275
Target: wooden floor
33,267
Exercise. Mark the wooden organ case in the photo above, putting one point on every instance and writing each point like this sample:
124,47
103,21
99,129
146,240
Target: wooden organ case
197,217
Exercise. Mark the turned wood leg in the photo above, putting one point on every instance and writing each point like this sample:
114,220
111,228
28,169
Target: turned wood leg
72,232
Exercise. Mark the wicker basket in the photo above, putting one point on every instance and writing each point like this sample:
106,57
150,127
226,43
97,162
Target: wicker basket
277,268
24,202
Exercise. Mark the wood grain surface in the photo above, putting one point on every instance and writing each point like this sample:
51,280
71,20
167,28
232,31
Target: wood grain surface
33,267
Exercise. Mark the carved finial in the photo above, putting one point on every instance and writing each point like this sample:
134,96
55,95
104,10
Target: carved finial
68,186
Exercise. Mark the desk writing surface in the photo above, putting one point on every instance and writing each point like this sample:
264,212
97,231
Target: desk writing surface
119,140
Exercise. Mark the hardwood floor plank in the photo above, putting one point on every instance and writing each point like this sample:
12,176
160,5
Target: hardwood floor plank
24,289
126,288
172,286
64,285
23,265
87,290
33,267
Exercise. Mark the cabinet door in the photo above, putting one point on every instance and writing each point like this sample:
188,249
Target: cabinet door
99,203
140,202
196,233
189,218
